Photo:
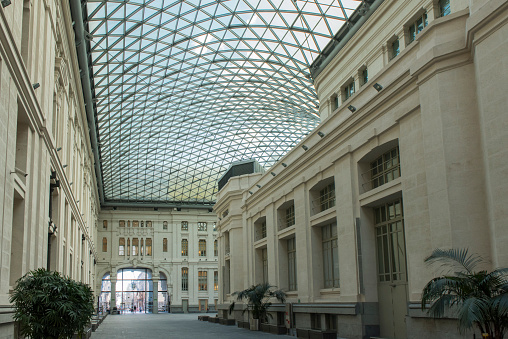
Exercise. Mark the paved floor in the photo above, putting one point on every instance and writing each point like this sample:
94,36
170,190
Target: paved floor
174,326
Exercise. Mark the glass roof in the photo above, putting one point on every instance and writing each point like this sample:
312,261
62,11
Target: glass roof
185,88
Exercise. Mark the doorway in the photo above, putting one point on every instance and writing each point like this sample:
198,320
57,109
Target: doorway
391,265
185,305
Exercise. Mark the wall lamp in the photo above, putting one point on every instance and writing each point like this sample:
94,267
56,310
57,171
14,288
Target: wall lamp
70,184
6,3
63,166
378,87
59,149
20,171
273,173
351,108
259,186
305,147
36,85
321,134
251,192
284,164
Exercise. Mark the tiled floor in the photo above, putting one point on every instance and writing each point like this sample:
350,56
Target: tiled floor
164,326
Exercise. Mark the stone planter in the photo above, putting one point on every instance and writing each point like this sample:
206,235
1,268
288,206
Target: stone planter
254,324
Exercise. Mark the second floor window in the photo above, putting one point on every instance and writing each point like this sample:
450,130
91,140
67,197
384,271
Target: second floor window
394,49
327,197
121,246
185,225
104,244
148,246
135,246
385,168
201,226
164,244
417,26
202,248
215,280
185,247
444,7
185,279
202,281
215,249
290,216
349,90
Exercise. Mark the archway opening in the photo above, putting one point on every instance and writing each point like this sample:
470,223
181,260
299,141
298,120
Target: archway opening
133,292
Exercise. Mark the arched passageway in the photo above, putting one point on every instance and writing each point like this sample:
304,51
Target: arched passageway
134,291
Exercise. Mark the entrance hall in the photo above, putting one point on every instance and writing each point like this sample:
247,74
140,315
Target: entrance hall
166,326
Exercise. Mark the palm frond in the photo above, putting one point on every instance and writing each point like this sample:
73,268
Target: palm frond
455,258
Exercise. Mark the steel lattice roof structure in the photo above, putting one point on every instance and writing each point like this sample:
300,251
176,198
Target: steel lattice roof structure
184,88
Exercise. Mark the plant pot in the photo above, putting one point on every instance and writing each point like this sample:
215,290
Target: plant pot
254,324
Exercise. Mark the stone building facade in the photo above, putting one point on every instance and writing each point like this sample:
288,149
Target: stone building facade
410,156
175,246
48,186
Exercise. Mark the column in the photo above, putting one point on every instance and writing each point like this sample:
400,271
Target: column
155,308
113,293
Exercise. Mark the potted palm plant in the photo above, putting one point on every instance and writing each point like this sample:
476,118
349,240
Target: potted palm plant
258,300
48,305
479,297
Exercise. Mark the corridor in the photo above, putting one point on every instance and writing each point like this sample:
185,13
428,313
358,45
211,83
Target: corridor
165,326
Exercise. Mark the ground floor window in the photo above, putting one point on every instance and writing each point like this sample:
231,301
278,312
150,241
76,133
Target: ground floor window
134,292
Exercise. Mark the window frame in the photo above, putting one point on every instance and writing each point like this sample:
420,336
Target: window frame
202,248
202,280
185,248
330,252
185,279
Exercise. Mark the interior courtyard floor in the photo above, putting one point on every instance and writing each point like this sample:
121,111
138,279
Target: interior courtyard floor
165,326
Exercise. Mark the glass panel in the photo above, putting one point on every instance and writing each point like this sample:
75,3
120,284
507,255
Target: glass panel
162,78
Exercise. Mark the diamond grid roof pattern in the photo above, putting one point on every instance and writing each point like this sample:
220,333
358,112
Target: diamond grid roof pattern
185,88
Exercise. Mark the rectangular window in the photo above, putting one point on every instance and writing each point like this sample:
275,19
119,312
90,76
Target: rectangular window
128,247
121,246
121,223
135,246
105,224
202,226
290,216
390,243
104,244
385,168
185,248
263,229
215,249
165,225
185,279
148,246
215,226
327,197
185,225
164,244
395,49
148,224
202,248
202,283
330,256
141,248
417,26
291,245
135,223
365,76
215,280
444,7
264,254
349,90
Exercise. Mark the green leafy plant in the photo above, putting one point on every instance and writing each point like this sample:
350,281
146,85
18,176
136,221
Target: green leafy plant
479,297
258,300
48,305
